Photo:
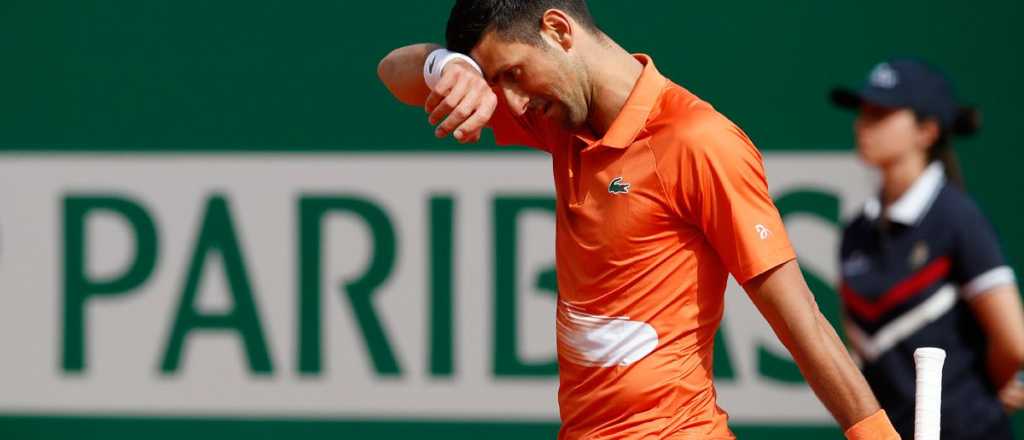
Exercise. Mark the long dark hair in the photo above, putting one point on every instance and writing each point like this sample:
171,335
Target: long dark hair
967,123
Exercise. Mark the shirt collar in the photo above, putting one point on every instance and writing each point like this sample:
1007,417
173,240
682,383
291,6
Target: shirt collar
635,112
914,203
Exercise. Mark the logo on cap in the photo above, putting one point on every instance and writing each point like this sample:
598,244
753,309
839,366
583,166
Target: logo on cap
884,76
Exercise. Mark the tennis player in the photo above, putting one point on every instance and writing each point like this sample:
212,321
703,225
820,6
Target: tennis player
659,199
922,266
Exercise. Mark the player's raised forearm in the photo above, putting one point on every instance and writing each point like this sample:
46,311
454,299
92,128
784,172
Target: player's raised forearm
401,71
785,301
460,102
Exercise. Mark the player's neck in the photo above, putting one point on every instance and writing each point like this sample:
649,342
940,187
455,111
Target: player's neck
613,73
898,177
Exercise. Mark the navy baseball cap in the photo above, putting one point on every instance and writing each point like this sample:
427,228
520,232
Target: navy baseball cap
904,83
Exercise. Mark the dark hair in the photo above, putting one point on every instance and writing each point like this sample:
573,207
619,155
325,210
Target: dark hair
966,123
515,20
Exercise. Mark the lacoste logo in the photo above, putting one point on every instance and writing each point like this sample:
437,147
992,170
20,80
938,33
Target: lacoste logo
762,231
617,186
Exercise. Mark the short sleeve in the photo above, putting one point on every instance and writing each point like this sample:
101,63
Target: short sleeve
724,191
509,130
979,264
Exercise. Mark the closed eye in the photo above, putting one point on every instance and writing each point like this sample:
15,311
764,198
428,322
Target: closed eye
512,74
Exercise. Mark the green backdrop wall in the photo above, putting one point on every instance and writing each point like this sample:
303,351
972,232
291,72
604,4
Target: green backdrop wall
298,76
186,76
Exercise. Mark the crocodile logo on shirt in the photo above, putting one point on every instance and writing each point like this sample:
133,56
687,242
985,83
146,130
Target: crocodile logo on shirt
617,186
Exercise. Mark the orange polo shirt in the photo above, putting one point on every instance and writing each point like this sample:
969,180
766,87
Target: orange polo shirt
650,221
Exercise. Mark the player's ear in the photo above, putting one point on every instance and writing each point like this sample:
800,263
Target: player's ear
558,28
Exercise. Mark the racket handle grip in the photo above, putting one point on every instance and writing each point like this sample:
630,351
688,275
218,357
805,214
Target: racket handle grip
928,406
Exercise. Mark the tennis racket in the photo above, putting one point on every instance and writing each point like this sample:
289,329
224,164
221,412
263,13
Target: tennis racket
927,420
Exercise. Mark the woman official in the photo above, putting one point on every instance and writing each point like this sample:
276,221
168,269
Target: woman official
922,266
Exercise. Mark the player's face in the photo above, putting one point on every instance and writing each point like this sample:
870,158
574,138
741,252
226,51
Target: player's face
886,136
537,81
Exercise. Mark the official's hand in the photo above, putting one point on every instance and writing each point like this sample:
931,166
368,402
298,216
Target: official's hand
1012,396
462,102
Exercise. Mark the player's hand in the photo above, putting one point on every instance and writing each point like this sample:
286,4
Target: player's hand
1012,396
461,103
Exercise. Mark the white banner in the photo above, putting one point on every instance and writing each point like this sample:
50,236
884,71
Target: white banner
162,284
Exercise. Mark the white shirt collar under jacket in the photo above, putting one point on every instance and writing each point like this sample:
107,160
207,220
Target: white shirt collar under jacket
914,203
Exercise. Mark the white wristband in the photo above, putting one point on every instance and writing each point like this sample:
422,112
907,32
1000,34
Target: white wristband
434,65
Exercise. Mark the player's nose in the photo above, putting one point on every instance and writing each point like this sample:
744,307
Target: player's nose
516,99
